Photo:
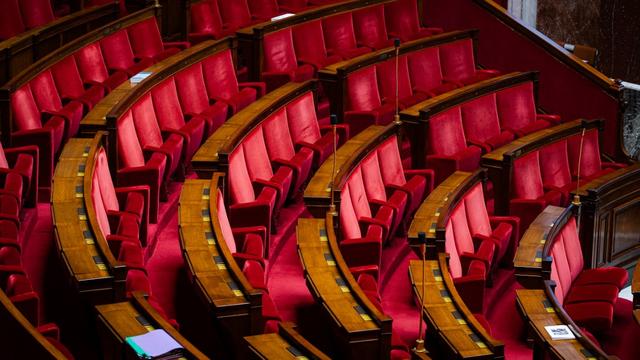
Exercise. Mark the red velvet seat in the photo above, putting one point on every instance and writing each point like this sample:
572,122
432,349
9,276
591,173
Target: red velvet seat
236,14
370,27
308,41
386,75
11,22
517,110
471,248
482,126
369,212
554,167
403,21
280,62
23,162
71,87
252,204
293,6
222,83
591,165
364,106
206,22
93,68
50,104
261,171
137,168
119,56
264,9
448,150
29,130
340,36
503,231
282,152
528,197
173,120
244,243
470,278
146,41
426,74
19,290
36,13
458,64
254,273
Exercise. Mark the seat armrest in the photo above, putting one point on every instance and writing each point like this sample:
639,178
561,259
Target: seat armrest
361,251
261,87
177,44
471,289
553,119
486,148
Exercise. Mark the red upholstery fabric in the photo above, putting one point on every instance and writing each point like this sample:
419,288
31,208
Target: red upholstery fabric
119,56
426,74
591,166
11,22
386,76
517,110
364,106
71,87
235,14
250,244
554,166
340,36
309,45
368,212
403,22
481,124
93,68
370,27
280,62
146,41
293,5
36,12
263,9
206,22
448,150
458,64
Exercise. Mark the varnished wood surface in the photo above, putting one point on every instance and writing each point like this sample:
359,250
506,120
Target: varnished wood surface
451,327
635,289
286,344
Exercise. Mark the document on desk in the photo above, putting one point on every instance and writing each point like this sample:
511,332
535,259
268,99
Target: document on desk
154,344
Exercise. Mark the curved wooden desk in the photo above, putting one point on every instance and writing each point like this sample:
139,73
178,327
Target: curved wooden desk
286,344
452,330
360,329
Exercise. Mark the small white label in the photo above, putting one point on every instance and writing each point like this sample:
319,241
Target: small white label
560,332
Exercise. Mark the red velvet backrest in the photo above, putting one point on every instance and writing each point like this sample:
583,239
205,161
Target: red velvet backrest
339,32
107,190
477,215
391,162
167,105
424,68
256,156
67,77
296,4
362,90
516,106
303,123
527,178
590,162
369,25
457,60
264,8
36,12
372,177
117,51
145,38
279,54
445,134
573,248
220,75
455,267
555,276
480,118
358,194
559,254
403,17
308,41
91,63
192,90
348,219
26,114
129,149
464,241
146,123
205,17
225,226
554,164
45,92
11,22
386,74
277,137
98,206
4,164
240,185
235,14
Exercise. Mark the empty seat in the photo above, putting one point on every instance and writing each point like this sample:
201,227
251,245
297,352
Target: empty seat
136,169
11,22
340,36
370,27
517,110
458,64
426,74
222,83
447,145
71,86
386,75
528,196
280,62
364,106
22,161
308,41
119,56
403,21
146,41
244,243
173,120
591,166
281,149
36,12
555,170
482,126
264,9
93,68
206,22
236,14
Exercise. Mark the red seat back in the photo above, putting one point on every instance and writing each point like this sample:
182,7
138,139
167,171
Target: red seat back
225,226
446,134
457,60
349,225
264,9
240,184
527,178
308,41
129,149
4,164
358,194
554,164
369,25
277,137
480,119
591,163
462,235
362,90
117,51
338,31
424,68
26,114
391,162
11,23
516,106
235,14
404,22
477,215
294,4
45,92
455,267
146,123
256,155
220,75
107,190
205,17
373,183
36,12
560,271
67,77
98,205
192,90
279,54
145,38
167,105
386,74
91,63
303,123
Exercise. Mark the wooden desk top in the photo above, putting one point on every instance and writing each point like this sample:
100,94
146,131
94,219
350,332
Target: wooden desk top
627,176
529,251
137,317
635,288
286,344
446,313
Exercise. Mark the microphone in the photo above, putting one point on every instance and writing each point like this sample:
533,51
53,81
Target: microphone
333,119
422,239
396,117
576,197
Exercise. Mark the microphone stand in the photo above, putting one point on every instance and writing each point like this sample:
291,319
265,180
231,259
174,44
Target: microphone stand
334,122
576,197
396,117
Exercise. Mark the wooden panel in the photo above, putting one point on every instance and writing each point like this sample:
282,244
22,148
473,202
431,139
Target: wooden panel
286,344
635,286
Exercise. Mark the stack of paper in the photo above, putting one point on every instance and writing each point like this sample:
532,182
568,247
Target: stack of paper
156,344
